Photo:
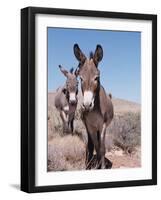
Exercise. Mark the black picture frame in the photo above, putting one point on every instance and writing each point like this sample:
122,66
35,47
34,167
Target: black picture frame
28,98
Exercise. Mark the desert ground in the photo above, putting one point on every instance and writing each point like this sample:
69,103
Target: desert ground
123,138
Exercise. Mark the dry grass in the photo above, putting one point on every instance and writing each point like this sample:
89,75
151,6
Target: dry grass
66,153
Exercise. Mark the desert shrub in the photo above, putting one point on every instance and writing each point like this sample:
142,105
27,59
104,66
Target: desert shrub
55,125
66,152
80,130
125,131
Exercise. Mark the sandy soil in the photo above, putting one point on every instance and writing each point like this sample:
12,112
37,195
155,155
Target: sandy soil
123,160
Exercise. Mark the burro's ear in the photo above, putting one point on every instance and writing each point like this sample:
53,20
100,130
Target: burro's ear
98,55
78,53
64,71
76,72
71,70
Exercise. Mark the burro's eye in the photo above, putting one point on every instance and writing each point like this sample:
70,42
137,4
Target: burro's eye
96,78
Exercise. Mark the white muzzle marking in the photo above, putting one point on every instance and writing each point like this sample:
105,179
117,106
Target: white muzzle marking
72,96
66,108
88,98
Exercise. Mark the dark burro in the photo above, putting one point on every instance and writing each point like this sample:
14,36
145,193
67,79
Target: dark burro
66,99
97,108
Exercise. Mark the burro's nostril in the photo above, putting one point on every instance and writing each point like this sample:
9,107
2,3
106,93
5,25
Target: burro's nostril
83,106
87,106
73,102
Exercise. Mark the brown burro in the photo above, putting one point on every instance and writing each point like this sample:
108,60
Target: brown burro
97,108
66,99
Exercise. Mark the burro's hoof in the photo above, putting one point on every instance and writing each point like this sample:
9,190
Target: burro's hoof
93,163
108,163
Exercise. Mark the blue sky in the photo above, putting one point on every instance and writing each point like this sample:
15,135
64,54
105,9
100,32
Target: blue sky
120,67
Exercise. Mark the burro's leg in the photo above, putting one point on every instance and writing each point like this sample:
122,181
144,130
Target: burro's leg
72,125
64,118
102,147
89,150
71,122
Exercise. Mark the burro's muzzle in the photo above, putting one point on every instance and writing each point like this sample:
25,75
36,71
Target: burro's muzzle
88,100
72,98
